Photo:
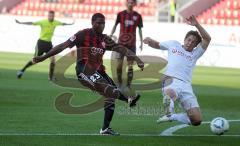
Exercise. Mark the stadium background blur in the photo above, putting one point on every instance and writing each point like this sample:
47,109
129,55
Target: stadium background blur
219,16
216,76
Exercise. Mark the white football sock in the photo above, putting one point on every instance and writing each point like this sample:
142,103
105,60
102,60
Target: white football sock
181,117
168,104
171,106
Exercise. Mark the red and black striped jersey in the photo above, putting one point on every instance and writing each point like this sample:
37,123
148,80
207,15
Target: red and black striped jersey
129,21
91,47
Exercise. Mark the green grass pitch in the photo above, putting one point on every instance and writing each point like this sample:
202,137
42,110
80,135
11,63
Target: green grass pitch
28,115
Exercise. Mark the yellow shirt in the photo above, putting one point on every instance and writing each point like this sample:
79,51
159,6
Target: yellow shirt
47,29
172,8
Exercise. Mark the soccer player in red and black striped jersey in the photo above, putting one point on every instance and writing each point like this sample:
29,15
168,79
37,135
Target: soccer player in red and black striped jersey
91,45
129,21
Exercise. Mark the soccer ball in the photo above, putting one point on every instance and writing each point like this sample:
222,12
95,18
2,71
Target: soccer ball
219,126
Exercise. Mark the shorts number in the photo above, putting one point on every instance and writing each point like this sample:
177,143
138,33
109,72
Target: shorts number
95,77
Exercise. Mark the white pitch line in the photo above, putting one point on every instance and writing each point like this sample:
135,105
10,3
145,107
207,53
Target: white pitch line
81,134
171,130
207,135
73,134
167,132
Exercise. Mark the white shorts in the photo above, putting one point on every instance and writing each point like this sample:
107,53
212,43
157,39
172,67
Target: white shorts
184,93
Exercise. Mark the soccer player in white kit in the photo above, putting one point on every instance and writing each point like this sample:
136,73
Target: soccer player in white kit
178,75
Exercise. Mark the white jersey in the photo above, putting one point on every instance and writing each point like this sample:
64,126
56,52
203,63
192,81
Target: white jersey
181,62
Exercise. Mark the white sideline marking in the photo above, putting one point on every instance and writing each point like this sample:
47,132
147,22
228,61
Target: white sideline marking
167,132
95,134
68,134
171,130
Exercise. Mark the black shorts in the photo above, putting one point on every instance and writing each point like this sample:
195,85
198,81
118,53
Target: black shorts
121,56
42,47
92,78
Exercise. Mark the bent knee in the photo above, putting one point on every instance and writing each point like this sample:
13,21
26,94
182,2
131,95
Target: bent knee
171,93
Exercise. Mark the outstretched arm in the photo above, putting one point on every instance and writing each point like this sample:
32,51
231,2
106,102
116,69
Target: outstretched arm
57,49
205,36
141,38
152,43
27,23
113,30
115,25
69,23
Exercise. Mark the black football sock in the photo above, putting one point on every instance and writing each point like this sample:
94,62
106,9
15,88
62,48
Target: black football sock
122,97
27,65
119,76
130,77
51,70
108,114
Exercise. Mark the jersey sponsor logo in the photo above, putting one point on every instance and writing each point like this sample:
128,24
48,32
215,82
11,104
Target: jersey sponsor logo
126,39
135,18
129,22
73,38
180,53
189,58
95,51
174,50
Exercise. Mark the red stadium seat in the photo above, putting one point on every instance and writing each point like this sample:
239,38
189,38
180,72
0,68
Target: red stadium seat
108,7
52,6
235,14
225,12
228,14
70,7
75,7
236,22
